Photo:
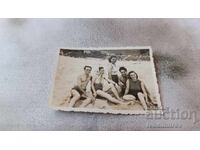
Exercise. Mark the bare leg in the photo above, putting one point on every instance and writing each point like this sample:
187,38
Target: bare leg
115,92
75,98
129,98
86,102
142,100
66,99
108,97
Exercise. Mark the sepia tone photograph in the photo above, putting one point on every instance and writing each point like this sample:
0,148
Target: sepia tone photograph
108,80
42,59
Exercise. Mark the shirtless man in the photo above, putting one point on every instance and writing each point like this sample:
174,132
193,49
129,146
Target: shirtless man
79,91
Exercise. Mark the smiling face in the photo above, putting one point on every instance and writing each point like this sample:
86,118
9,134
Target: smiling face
123,73
87,70
133,76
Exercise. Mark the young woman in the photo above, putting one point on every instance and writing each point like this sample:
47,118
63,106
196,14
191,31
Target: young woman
113,69
135,89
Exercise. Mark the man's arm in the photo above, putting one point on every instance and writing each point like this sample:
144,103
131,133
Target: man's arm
93,89
127,87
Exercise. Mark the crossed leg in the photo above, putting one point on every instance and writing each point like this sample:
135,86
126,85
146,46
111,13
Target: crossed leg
129,97
133,98
108,97
86,102
115,92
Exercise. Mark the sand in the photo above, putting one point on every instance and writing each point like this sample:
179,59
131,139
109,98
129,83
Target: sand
69,68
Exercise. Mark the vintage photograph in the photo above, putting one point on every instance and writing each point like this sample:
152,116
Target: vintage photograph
109,80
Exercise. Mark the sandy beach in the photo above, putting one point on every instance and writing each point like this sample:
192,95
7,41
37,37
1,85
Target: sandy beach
69,68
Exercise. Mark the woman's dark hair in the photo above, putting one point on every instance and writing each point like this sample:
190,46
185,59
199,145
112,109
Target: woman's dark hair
87,67
100,68
109,59
130,74
122,68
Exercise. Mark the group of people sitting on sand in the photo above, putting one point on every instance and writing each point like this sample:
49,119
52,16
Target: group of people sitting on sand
125,89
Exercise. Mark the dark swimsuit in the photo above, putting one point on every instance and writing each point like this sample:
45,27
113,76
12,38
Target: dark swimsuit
134,88
98,86
115,78
77,88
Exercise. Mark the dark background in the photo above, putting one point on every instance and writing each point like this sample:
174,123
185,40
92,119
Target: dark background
121,54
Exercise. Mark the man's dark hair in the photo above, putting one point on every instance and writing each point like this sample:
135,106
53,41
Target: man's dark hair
109,59
130,74
87,67
122,68
100,68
